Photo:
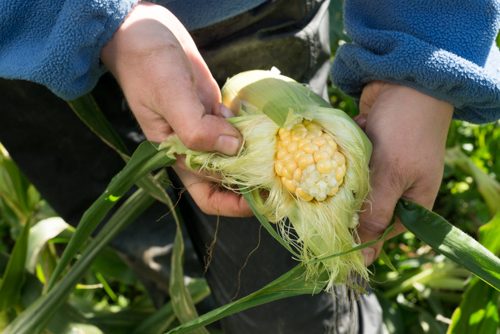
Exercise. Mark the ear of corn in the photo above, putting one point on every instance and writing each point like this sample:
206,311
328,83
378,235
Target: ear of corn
308,161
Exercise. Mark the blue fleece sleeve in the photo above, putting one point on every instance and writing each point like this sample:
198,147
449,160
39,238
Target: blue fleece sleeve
444,48
57,43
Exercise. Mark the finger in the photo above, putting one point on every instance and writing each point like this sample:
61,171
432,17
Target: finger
223,111
378,210
180,163
211,199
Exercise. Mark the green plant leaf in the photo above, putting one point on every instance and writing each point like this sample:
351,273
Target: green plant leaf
144,160
162,319
488,234
88,111
40,234
289,284
36,316
450,241
12,278
182,303
478,310
111,265
387,261
14,188
487,186
429,324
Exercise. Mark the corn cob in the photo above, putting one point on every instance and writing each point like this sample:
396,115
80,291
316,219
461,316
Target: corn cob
309,159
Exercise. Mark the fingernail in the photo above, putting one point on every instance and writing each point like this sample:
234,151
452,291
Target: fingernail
361,120
225,112
369,254
227,144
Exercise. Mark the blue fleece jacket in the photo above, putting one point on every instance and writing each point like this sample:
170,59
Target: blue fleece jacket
442,47
445,48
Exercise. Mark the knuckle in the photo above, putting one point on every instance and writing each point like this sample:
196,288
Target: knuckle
193,139
374,227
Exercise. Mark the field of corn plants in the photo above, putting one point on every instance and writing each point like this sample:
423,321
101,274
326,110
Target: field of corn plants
43,288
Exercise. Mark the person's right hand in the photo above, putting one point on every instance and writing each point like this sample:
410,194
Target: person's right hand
170,89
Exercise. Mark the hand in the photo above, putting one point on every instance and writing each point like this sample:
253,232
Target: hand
408,130
171,90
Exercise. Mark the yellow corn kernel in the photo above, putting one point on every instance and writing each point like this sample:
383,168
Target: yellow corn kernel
305,161
311,148
280,154
340,173
338,158
319,141
324,166
278,168
297,174
292,147
321,155
303,195
290,185
333,191
283,133
290,166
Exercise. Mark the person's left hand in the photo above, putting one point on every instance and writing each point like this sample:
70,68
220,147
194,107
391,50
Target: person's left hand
408,131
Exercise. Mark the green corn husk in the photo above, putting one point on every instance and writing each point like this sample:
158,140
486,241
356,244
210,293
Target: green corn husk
264,102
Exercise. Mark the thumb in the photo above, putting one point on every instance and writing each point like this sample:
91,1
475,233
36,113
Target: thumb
377,213
203,131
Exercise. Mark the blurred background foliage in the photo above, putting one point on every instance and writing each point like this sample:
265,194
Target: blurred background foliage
419,290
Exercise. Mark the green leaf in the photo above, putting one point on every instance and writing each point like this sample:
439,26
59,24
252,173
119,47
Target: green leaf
91,115
36,316
162,319
13,276
487,186
40,234
144,160
182,302
387,260
14,188
112,266
450,241
478,310
289,284
488,234
88,111
68,320
429,324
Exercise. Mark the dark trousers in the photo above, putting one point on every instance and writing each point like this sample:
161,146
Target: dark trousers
70,166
